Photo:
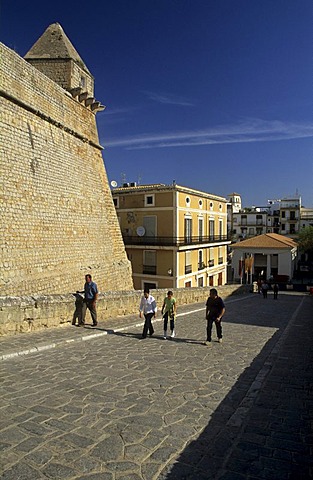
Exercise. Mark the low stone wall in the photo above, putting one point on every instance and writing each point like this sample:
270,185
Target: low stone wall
31,313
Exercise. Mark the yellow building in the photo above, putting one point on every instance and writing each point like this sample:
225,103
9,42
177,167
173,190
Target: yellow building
175,236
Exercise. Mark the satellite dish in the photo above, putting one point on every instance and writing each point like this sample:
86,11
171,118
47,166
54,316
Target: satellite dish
113,184
141,231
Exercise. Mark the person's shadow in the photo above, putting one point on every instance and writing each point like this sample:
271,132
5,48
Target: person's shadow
78,313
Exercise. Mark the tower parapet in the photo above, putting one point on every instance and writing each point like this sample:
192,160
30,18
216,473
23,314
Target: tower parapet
54,55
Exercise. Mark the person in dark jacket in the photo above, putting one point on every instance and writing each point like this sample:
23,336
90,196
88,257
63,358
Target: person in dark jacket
215,309
91,296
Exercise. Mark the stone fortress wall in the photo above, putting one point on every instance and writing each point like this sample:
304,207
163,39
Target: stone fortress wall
58,221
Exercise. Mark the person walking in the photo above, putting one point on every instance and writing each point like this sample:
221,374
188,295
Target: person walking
148,308
275,290
264,289
91,296
215,309
169,313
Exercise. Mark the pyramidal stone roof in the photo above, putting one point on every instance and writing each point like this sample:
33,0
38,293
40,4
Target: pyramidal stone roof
267,240
54,44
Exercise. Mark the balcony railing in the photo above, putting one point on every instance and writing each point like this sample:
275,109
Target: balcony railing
173,241
188,269
211,263
201,265
149,269
220,260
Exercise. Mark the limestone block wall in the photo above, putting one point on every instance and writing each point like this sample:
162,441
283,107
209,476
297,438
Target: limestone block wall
57,217
64,72
32,313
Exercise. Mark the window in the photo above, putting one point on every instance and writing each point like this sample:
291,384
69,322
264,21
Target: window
200,203
188,229
211,228
188,201
211,205
116,202
201,265
251,231
292,215
283,227
211,257
243,219
220,228
200,228
149,224
283,214
220,255
259,220
200,282
83,82
149,200
149,262
188,265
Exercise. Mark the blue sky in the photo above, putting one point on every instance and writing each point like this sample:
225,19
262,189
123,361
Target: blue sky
215,94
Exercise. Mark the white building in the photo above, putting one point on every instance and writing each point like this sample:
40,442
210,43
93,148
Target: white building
247,224
306,217
264,256
290,215
279,216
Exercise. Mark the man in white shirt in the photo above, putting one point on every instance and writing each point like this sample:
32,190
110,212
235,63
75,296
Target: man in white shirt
148,308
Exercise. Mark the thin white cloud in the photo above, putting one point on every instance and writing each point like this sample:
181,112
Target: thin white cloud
118,110
252,130
168,99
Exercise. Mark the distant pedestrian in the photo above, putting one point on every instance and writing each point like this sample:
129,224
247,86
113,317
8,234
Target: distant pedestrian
215,309
264,289
169,313
148,308
275,290
91,296
259,284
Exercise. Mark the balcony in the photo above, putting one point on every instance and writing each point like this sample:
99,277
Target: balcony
149,269
201,265
188,269
173,241
220,260
211,263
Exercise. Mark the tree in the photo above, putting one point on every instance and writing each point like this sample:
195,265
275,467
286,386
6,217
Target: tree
305,239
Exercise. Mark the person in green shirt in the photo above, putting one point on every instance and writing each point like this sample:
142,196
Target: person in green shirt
169,312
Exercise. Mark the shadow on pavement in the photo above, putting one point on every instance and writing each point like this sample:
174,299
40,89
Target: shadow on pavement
262,429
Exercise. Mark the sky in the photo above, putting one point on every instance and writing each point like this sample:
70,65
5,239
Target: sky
214,94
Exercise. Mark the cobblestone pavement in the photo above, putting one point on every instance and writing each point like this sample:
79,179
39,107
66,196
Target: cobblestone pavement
116,407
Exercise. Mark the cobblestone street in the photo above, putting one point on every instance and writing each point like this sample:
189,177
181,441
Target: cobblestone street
115,407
